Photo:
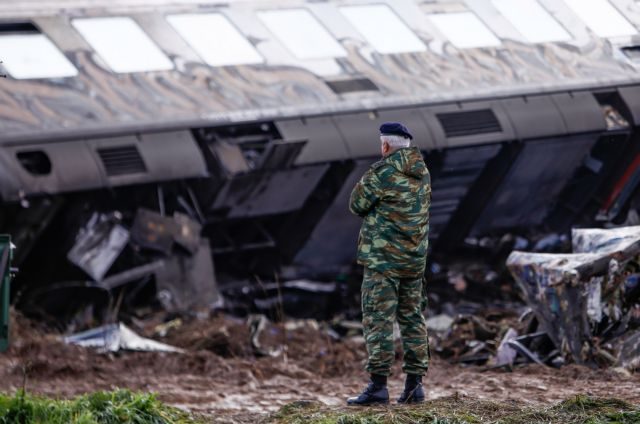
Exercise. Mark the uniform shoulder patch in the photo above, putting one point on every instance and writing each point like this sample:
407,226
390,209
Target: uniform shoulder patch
378,164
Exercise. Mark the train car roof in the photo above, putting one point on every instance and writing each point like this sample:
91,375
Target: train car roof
82,67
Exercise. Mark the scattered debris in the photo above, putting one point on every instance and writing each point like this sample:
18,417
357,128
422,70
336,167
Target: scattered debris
187,283
506,355
115,337
519,347
161,330
439,323
550,243
151,230
295,299
130,275
475,338
218,357
257,325
98,244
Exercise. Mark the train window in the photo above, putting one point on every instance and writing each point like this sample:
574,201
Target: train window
383,29
532,20
302,34
215,39
28,54
465,30
36,162
603,19
122,44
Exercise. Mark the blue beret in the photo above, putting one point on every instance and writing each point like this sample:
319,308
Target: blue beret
395,128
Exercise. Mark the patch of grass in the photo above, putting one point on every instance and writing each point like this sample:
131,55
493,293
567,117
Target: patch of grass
117,407
458,410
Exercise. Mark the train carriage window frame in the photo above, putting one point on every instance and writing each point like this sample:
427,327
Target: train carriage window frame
122,44
532,20
465,30
297,29
27,53
370,19
203,31
602,17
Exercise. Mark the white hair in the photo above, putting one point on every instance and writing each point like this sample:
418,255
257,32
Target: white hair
395,141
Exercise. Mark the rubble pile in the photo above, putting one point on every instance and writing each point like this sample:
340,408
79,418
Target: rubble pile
473,338
123,262
313,366
581,307
222,345
221,335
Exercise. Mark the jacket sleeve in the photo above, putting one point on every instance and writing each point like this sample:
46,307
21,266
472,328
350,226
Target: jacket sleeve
365,194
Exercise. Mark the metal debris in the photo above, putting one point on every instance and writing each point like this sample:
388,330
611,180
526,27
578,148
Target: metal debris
440,322
188,232
153,231
132,274
257,324
514,344
506,355
586,300
187,283
115,337
98,244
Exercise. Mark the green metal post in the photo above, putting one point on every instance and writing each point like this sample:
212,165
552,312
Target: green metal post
5,279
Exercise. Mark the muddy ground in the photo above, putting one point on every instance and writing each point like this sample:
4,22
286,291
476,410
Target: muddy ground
221,377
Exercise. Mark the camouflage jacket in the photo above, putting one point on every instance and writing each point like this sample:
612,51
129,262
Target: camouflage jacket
393,197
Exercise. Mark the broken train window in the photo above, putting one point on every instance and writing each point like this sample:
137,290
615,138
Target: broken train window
302,34
464,30
29,54
532,20
215,39
602,17
122,44
396,37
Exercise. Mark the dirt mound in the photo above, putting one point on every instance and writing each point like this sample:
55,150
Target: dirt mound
305,344
218,345
221,335
316,352
35,351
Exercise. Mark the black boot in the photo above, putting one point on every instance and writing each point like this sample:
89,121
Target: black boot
413,391
376,393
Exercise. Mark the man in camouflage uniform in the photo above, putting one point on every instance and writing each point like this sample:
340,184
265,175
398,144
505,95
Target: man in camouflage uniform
393,197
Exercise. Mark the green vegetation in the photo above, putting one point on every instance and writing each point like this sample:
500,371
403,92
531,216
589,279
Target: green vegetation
125,407
457,410
117,407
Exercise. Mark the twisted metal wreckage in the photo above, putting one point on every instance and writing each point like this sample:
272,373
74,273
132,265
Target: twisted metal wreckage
588,301
200,172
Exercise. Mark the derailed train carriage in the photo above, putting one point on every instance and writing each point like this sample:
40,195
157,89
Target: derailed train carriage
251,121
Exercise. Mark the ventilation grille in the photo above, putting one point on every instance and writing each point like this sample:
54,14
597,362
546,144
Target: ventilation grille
351,85
460,124
122,160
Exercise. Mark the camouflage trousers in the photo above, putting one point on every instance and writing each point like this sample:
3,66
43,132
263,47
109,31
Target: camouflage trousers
385,300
